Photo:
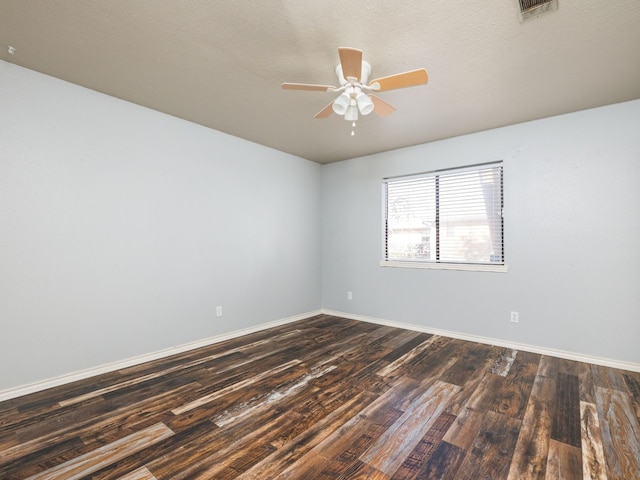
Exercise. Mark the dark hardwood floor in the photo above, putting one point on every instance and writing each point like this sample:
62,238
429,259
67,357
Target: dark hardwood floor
330,398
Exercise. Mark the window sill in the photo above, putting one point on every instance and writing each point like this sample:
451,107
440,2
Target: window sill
471,267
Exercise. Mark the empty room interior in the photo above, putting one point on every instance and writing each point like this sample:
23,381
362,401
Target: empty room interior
320,240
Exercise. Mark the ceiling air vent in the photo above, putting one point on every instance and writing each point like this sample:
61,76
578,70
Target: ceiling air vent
529,9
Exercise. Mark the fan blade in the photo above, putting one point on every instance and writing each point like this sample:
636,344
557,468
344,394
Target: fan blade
400,80
325,112
351,61
307,86
381,107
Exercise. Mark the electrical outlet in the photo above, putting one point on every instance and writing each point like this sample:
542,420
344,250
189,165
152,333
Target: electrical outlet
218,311
514,317
349,296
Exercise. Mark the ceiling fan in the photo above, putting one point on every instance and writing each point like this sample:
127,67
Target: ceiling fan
355,94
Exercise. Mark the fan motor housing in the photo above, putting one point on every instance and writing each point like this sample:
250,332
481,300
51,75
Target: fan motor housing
364,76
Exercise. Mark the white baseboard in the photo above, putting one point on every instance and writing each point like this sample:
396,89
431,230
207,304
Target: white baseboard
129,362
90,372
606,362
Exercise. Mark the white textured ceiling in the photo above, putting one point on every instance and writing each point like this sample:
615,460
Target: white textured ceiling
220,63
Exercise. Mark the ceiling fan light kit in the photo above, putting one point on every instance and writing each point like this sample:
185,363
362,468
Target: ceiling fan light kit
355,95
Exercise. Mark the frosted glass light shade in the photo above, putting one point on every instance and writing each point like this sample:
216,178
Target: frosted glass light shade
341,104
351,114
365,105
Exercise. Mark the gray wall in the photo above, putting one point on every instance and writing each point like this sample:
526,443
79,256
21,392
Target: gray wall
121,230
572,237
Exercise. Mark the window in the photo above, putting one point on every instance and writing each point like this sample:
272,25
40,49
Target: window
446,219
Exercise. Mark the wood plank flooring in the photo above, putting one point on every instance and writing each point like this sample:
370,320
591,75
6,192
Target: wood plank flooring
331,398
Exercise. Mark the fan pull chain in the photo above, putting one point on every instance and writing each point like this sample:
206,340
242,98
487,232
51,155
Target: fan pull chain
353,129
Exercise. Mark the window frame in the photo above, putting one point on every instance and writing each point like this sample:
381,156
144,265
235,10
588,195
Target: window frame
437,264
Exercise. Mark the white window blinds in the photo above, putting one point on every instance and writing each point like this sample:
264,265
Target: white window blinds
448,216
